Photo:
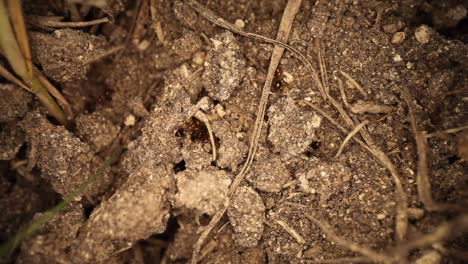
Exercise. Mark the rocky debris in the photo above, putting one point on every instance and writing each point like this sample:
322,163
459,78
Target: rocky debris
398,37
269,173
224,67
423,34
246,214
13,102
96,129
232,150
325,179
52,243
64,54
63,159
205,190
137,210
158,140
292,130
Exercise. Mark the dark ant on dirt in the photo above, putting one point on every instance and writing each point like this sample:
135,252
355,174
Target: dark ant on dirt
195,129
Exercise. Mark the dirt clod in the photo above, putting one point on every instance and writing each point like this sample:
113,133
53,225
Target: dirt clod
224,66
55,239
246,214
65,53
63,159
291,130
137,210
204,191
13,102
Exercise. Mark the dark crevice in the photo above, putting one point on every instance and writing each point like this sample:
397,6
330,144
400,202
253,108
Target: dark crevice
180,166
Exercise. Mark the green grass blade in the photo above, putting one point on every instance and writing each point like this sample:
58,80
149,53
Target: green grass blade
7,248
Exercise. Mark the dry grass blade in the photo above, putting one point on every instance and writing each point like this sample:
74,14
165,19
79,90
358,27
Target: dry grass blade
349,136
16,12
8,44
7,248
448,131
443,232
53,23
348,260
10,77
16,50
292,7
355,84
422,178
55,93
291,231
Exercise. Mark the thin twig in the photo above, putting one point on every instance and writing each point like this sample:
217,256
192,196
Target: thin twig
354,247
422,178
355,84
349,136
203,118
343,93
448,131
291,231
52,23
444,232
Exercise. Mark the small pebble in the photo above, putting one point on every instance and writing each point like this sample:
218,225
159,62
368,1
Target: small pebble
239,23
398,37
130,120
422,34
199,57
397,58
380,216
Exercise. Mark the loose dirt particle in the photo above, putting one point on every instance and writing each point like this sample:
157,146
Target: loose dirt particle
398,37
232,150
246,214
187,45
423,34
